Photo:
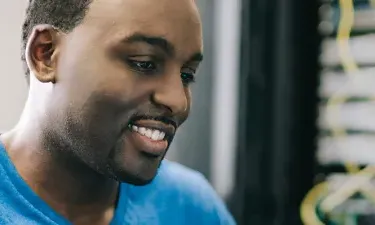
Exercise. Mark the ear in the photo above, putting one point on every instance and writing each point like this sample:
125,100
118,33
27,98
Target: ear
42,52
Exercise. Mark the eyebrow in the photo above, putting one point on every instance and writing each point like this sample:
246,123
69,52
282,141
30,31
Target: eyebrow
162,43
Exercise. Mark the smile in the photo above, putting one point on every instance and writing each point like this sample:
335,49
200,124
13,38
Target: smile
153,134
151,137
153,129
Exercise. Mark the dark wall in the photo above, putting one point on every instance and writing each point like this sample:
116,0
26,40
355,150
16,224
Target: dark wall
279,78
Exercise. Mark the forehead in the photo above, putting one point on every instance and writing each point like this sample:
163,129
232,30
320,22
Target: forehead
177,21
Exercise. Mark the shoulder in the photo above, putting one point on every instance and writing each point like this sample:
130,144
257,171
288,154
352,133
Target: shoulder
193,188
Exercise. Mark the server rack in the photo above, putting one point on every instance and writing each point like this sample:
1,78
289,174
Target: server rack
346,123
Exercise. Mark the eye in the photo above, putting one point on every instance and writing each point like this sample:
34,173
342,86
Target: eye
143,66
187,78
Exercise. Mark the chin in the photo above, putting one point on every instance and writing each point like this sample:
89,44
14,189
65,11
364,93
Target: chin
133,167
135,175
135,179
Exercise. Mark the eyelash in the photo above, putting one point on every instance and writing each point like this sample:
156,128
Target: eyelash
143,66
149,67
187,78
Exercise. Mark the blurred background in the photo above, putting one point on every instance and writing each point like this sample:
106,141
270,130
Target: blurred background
282,122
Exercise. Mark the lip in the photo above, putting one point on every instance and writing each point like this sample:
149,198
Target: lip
168,129
149,147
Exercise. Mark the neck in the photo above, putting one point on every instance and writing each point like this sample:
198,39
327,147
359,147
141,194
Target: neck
67,185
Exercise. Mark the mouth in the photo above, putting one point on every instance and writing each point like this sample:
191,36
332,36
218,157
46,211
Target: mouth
151,137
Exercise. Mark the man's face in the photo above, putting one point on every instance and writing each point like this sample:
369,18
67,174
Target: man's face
122,84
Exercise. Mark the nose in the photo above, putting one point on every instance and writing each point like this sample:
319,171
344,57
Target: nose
172,95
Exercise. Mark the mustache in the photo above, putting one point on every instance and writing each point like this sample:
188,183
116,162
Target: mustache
156,114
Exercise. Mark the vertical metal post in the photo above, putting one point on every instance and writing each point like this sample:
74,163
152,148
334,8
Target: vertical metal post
278,99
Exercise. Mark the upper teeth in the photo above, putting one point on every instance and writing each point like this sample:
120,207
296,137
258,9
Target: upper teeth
153,134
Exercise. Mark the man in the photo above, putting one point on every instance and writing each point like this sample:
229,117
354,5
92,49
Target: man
108,87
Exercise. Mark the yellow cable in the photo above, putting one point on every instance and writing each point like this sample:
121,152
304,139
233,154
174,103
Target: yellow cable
349,66
309,204
318,192
351,186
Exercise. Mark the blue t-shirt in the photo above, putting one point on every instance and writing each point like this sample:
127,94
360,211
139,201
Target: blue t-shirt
177,195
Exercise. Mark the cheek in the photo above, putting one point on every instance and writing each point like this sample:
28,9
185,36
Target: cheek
100,117
99,123
86,70
93,132
96,82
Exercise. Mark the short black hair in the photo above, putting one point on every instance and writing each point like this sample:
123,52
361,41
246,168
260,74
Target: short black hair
64,15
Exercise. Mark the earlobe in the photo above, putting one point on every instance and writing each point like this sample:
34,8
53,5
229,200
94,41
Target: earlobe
42,53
